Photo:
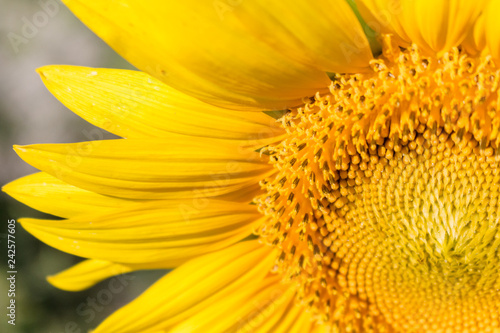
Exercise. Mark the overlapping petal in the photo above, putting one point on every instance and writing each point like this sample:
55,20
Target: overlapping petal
218,51
231,277
434,25
384,17
267,306
89,272
333,41
182,167
50,195
166,232
133,104
492,28
475,42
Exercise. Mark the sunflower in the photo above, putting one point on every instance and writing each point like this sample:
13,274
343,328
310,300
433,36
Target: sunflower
326,166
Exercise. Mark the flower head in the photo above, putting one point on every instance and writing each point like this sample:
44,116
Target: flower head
370,204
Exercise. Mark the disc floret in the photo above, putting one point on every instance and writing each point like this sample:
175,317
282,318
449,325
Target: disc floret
385,199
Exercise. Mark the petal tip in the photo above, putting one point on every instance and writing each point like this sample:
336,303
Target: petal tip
20,149
50,279
46,72
55,282
8,188
42,71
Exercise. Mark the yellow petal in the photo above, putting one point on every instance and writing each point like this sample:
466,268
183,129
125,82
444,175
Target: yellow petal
186,167
434,25
50,195
287,319
232,312
326,34
87,273
295,319
265,306
200,283
161,231
441,24
203,50
475,42
133,104
271,320
384,17
492,29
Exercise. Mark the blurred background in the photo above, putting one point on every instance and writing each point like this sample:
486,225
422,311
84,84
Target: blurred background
34,33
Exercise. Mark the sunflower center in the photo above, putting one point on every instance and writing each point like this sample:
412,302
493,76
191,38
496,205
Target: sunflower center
385,200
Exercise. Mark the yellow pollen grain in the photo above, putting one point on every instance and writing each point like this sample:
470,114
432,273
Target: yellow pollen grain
385,202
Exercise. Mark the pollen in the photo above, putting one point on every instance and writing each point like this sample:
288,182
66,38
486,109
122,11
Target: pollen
385,200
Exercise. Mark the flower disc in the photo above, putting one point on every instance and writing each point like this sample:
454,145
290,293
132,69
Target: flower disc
385,200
